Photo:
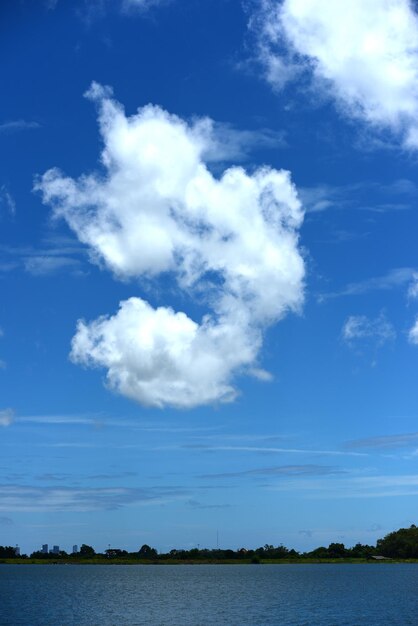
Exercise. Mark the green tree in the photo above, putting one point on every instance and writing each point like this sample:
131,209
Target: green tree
146,552
400,544
86,552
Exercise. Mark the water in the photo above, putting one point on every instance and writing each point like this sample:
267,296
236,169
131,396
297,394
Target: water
199,595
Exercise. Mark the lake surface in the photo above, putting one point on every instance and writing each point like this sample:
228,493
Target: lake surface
114,595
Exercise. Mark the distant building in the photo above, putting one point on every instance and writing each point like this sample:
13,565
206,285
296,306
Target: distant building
75,549
45,548
55,550
17,551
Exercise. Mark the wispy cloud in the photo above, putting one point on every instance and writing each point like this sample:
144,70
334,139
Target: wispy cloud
195,504
142,5
413,333
384,442
59,477
44,265
281,470
56,419
93,10
16,126
335,487
413,287
360,328
400,194
99,421
394,279
47,499
7,200
55,254
228,143
6,521
6,417
269,450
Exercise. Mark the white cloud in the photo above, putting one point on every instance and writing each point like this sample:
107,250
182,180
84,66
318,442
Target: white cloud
413,333
360,327
6,417
157,356
364,55
157,210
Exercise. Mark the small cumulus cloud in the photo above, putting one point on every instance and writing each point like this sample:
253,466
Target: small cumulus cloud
230,241
359,328
365,59
6,417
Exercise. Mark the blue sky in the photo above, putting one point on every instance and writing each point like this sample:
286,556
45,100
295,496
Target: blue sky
208,272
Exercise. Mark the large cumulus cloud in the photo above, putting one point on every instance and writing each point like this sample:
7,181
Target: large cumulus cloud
157,209
365,53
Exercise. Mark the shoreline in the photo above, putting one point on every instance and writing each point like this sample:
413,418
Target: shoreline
173,562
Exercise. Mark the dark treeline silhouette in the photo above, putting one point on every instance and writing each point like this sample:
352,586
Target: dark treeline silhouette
7,552
399,544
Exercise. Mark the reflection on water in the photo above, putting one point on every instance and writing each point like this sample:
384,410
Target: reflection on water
115,595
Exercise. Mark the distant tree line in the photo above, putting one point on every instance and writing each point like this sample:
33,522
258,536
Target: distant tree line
399,544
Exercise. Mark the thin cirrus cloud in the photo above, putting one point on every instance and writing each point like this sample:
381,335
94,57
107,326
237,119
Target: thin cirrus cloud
56,254
334,487
48,499
399,195
385,442
281,470
16,126
269,450
231,241
393,279
366,57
